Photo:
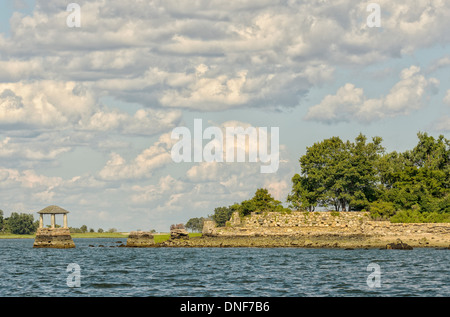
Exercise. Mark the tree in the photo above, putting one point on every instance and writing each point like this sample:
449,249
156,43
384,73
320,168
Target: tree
418,178
21,223
262,201
336,173
1,220
195,224
305,194
177,226
83,229
223,214
100,230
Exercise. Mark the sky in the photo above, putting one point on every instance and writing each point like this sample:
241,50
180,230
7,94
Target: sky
87,113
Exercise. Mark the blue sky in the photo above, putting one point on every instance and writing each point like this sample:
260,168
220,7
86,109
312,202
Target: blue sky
86,113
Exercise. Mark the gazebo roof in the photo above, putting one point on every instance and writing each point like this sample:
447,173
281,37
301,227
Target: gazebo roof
53,210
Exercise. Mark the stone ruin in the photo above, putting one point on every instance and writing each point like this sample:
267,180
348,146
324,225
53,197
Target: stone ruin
178,232
57,238
140,239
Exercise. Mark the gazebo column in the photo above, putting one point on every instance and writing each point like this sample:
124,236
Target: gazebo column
65,220
41,221
53,220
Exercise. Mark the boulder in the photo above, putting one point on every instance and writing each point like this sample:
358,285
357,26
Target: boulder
398,246
179,234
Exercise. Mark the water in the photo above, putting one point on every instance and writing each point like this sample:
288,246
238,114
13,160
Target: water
210,272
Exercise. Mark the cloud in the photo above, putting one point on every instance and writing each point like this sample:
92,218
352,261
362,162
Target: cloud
34,151
156,156
350,103
447,98
165,58
442,124
254,54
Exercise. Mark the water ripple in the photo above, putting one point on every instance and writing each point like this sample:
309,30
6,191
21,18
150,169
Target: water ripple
212,272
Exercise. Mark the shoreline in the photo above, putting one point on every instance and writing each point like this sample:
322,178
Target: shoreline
356,241
318,241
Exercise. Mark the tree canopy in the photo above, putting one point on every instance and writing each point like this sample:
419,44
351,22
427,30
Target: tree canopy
338,174
21,223
262,201
195,224
359,175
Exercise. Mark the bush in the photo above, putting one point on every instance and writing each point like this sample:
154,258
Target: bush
415,216
382,210
177,226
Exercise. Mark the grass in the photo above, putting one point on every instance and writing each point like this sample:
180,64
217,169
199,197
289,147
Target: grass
16,236
164,237
93,235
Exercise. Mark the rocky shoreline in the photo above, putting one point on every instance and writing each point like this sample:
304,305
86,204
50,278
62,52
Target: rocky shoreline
356,241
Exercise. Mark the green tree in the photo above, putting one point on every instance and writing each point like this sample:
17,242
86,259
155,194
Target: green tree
305,194
262,201
336,173
21,223
195,224
222,215
83,229
1,220
419,177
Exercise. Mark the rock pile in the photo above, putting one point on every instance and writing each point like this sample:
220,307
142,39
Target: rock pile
140,239
179,234
399,246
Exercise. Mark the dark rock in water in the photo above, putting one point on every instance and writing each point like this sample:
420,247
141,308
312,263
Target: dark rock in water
118,241
179,234
398,246
91,246
349,249
121,246
101,246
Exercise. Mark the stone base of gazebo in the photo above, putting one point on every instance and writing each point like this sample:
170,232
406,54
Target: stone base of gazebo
140,239
57,238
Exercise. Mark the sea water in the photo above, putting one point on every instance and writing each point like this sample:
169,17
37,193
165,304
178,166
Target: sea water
209,272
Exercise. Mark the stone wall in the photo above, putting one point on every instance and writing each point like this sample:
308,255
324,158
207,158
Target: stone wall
56,238
301,223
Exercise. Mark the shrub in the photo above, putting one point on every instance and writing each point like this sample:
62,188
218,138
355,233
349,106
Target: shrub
382,210
177,226
415,216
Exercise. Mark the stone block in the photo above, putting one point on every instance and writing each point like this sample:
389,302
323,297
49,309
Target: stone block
55,238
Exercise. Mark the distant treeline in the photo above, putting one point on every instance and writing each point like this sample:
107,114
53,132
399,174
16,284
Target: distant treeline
23,223
412,186
18,223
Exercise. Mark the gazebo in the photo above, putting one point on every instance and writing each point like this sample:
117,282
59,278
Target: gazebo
52,211
53,237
